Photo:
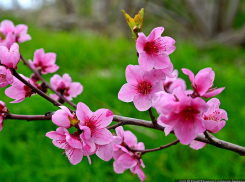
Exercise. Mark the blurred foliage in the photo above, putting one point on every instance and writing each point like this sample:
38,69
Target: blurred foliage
99,63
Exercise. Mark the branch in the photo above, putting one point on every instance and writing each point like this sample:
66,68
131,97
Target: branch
155,149
46,83
153,119
35,89
28,117
221,144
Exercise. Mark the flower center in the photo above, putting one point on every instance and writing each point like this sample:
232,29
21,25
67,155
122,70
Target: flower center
144,87
189,112
2,78
155,47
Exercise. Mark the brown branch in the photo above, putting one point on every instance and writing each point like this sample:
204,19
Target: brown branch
153,119
46,83
35,89
221,144
28,117
155,149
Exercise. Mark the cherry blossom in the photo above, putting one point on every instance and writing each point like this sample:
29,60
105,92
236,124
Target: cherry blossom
6,77
3,111
10,57
64,118
95,134
71,143
214,116
65,87
44,63
141,86
153,50
19,32
184,114
125,159
202,83
18,90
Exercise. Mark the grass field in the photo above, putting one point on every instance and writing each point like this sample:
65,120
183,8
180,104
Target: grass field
99,63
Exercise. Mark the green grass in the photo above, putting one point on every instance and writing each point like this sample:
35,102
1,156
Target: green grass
99,63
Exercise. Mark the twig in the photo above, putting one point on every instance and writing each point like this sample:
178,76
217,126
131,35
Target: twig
35,89
152,116
222,144
210,138
155,149
28,117
46,83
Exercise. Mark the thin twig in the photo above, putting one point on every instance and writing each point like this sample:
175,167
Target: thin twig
212,140
114,126
28,117
46,83
153,119
35,89
155,149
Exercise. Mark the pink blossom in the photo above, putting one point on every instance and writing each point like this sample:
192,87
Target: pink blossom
197,145
125,159
65,87
141,86
154,50
45,63
18,90
202,83
7,40
6,77
171,83
19,32
184,114
64,118
10,57
214,116
3,112
71,143
95,134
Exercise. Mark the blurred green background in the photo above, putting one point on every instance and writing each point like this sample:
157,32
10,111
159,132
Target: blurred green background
98,62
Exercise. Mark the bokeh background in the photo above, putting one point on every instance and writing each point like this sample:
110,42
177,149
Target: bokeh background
93,44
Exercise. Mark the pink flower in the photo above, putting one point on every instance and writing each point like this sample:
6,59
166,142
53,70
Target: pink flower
19,32
197,145
141,86
184,114
3,111
19,91
65,87
11,57
95,134
45,63
6,77
213,118
71,143
202,83
125,159
154,50
7,40
64,118
171,83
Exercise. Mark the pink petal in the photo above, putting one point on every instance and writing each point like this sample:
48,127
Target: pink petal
7,26
140,172
161,61
142,102
120,131
9,76
155,33
75,156
203,83
105,117
140,42
60,118
86,132
127,161
67,79
130,139
51,69
83,113
74,142
127,92
55,80
102,136
75,89
134,74
169,44
49,58
199,104
118,168
213,93
38,55
105,152
145,61
197,145
55,135
190,74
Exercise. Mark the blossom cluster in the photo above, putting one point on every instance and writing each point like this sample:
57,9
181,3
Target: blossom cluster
152,83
